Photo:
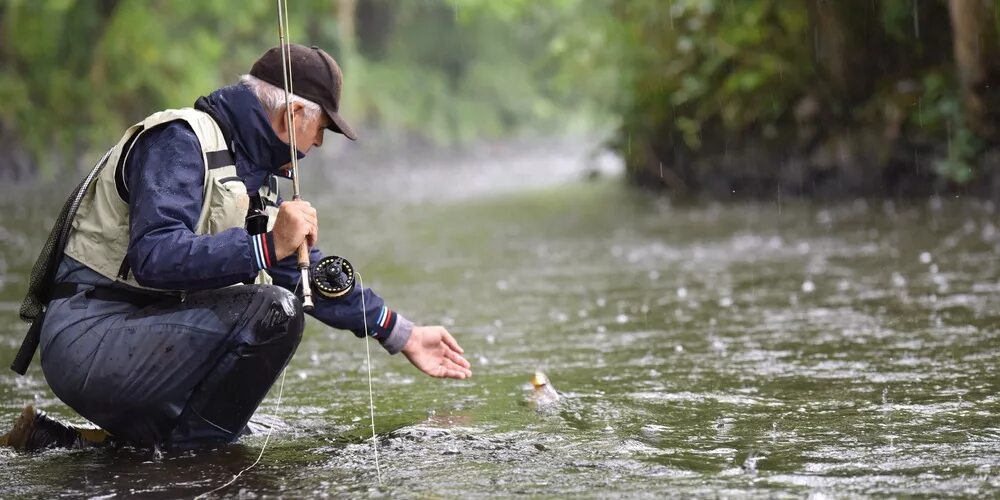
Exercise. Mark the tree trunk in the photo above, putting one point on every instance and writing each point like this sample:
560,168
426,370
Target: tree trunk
977,55
848,41
346,14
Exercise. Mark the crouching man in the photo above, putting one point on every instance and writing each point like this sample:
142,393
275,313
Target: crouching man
168,292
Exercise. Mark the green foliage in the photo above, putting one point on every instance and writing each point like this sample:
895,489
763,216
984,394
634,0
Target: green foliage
75,73
698,64
939,114
682,78
958,165
701,76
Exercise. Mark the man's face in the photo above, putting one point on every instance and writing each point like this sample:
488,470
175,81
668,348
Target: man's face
308,132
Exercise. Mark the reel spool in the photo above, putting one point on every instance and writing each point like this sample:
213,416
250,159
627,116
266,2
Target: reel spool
332,277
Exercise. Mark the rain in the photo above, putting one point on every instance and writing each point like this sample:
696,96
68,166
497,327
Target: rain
698,248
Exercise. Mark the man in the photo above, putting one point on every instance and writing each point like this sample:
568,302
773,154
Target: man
150,332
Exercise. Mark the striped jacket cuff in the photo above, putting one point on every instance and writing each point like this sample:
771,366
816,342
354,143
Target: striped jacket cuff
262,250
384,322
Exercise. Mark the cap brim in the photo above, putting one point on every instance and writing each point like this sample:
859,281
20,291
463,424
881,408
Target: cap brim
339,125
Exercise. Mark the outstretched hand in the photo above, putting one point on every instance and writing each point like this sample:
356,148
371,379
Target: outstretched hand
435,352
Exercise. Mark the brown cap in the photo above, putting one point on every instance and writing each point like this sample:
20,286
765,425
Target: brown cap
315,76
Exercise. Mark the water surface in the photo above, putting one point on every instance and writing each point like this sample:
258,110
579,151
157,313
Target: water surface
760,349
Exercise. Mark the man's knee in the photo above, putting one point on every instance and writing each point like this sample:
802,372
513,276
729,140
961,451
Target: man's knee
280,315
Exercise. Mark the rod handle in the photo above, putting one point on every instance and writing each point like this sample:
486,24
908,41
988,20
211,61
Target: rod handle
307,302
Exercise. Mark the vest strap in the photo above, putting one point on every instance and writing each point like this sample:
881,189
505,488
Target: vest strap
120,181
219,159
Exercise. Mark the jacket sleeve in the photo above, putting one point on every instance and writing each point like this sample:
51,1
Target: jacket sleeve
346,313
165,177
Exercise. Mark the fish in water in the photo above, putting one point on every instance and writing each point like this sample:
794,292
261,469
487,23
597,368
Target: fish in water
543,393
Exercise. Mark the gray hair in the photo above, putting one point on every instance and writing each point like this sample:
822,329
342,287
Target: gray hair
273,98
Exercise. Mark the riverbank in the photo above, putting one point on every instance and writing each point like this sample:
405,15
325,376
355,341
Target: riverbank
863,162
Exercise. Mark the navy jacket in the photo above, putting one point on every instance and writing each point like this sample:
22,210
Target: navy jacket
165,178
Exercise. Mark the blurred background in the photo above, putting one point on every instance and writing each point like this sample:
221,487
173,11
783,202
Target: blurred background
696,96
753,243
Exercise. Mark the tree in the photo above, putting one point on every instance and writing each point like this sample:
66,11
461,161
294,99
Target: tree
977,57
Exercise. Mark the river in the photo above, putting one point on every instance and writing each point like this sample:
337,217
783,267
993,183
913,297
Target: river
765,349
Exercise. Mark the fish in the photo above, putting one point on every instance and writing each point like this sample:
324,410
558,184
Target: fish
543,393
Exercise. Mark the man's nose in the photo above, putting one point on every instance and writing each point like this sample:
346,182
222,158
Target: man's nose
319,139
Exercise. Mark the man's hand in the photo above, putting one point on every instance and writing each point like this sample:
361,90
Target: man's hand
296,222
434,351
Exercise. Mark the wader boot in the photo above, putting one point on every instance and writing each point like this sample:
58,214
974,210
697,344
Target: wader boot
34,430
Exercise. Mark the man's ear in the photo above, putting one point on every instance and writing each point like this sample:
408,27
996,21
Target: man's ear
279,123
298,110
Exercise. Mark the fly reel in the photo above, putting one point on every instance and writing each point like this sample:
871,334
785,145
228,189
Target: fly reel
332,277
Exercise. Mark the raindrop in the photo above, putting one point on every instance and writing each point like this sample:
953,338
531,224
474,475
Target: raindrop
898,280
823,217
750,464
601,302
621,319
936,203
726,301
502,285
678,348
490,339
719,345
654,275
808,286
925,257
682,292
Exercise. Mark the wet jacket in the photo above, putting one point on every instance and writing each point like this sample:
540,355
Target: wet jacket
165,176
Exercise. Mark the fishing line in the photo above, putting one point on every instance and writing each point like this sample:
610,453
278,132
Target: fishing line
371,394
277,406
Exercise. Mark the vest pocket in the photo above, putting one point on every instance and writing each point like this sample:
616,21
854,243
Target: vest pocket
228,204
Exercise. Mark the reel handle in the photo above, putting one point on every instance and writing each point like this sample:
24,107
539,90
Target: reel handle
333,277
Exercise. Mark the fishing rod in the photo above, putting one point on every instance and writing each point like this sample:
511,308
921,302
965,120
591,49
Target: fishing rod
333,276
286,73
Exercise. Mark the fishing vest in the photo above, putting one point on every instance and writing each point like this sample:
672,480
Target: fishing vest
99,236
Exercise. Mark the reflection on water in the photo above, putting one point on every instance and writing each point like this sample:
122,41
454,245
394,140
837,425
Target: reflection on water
749,348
